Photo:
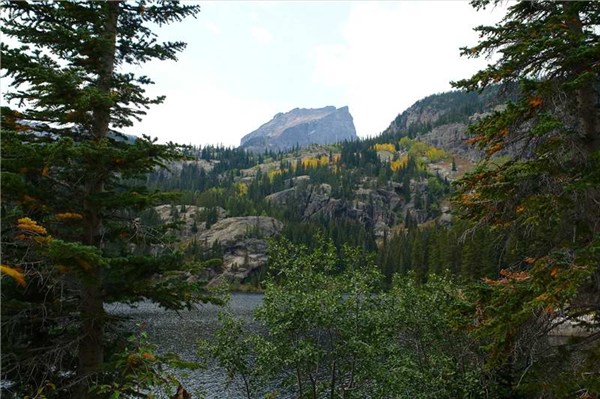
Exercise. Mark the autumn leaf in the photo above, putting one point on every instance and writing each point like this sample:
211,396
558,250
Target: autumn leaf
474,140
14,273
30,226
515,276
62,269
535,102
495,148
27,198
42,240
134,360
84,264
68,216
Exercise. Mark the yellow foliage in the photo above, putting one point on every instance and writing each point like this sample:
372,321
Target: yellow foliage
399,163
385,147
418,149
274,173
42,240
336,157
545,297
68,216
30,226
405,143
313,162
435,154
241,189
13,273
310,162
469,198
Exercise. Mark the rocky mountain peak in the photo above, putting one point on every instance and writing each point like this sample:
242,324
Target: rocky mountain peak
302,126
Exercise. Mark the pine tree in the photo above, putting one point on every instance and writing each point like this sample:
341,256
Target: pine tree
63,171
545,199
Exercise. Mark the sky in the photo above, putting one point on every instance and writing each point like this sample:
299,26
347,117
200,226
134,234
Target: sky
246,61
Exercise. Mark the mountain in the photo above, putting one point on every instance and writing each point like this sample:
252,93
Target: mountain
387,194
441,120
302,127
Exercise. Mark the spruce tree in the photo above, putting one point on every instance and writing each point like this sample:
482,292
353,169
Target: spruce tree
545,199
67,215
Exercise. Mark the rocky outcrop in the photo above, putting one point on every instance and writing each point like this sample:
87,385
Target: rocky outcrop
442,119
377,209
240,259
230,230
452,138
191,217
442,109
242,239
302,127
244,245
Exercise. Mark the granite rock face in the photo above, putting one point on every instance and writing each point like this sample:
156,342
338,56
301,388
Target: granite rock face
230,230
442,121
244,245
302,127
243,240
377,209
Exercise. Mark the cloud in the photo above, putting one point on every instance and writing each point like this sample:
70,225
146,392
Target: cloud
213,28
393,54
262,35
203,112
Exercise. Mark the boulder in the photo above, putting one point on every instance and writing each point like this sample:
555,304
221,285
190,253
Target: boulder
231,230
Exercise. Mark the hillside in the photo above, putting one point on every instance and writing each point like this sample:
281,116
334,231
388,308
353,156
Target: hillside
370,193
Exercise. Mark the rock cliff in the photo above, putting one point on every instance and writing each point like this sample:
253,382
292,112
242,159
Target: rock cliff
302,127
241,239
442,120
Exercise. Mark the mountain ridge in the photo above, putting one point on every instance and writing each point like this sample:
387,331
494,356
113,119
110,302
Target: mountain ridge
302,127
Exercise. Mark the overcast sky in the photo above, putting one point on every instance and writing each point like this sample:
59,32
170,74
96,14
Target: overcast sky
247,61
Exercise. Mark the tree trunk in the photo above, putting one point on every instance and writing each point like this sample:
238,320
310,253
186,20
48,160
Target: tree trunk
91,350
587,97
588,116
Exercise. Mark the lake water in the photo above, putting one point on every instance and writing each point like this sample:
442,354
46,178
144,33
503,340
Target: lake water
178,332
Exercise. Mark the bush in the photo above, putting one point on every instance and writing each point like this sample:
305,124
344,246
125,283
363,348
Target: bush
329,330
